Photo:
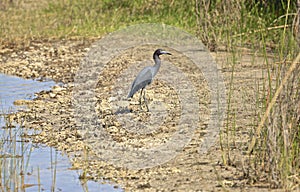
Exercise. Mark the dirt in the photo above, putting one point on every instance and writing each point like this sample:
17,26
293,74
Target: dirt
52,112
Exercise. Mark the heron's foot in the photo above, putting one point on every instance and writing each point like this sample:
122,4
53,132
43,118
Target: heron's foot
147,107
141,108
140,103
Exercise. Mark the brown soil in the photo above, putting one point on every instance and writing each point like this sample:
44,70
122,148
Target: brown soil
52,113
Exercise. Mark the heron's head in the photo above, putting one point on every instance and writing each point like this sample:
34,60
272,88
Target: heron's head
159,52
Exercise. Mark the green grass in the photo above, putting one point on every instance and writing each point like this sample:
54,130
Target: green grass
266,28
67,19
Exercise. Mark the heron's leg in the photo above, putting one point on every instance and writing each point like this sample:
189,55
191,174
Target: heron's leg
145,99
141,98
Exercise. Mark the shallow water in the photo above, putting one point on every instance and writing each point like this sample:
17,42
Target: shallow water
15,88
27,165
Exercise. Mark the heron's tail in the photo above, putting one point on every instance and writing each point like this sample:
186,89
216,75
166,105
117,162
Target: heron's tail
130,95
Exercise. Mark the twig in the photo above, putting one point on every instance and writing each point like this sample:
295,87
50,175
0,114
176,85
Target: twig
260,30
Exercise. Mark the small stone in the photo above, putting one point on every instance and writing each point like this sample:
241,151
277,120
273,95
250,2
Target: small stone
111,99
21,102
52,95
57,89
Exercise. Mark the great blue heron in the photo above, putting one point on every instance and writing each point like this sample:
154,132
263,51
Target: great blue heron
145,77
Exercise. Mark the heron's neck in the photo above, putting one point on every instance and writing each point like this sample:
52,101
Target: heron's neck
157,64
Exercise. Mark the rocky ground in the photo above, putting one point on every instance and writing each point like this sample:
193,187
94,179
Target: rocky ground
53,114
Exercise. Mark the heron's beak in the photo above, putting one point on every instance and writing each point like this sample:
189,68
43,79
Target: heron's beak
165,52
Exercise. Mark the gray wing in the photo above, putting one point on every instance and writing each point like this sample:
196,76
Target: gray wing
143,79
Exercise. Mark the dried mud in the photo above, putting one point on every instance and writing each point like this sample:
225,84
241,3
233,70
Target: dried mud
52,113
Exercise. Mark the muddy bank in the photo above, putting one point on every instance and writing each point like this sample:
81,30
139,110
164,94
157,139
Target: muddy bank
53,114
